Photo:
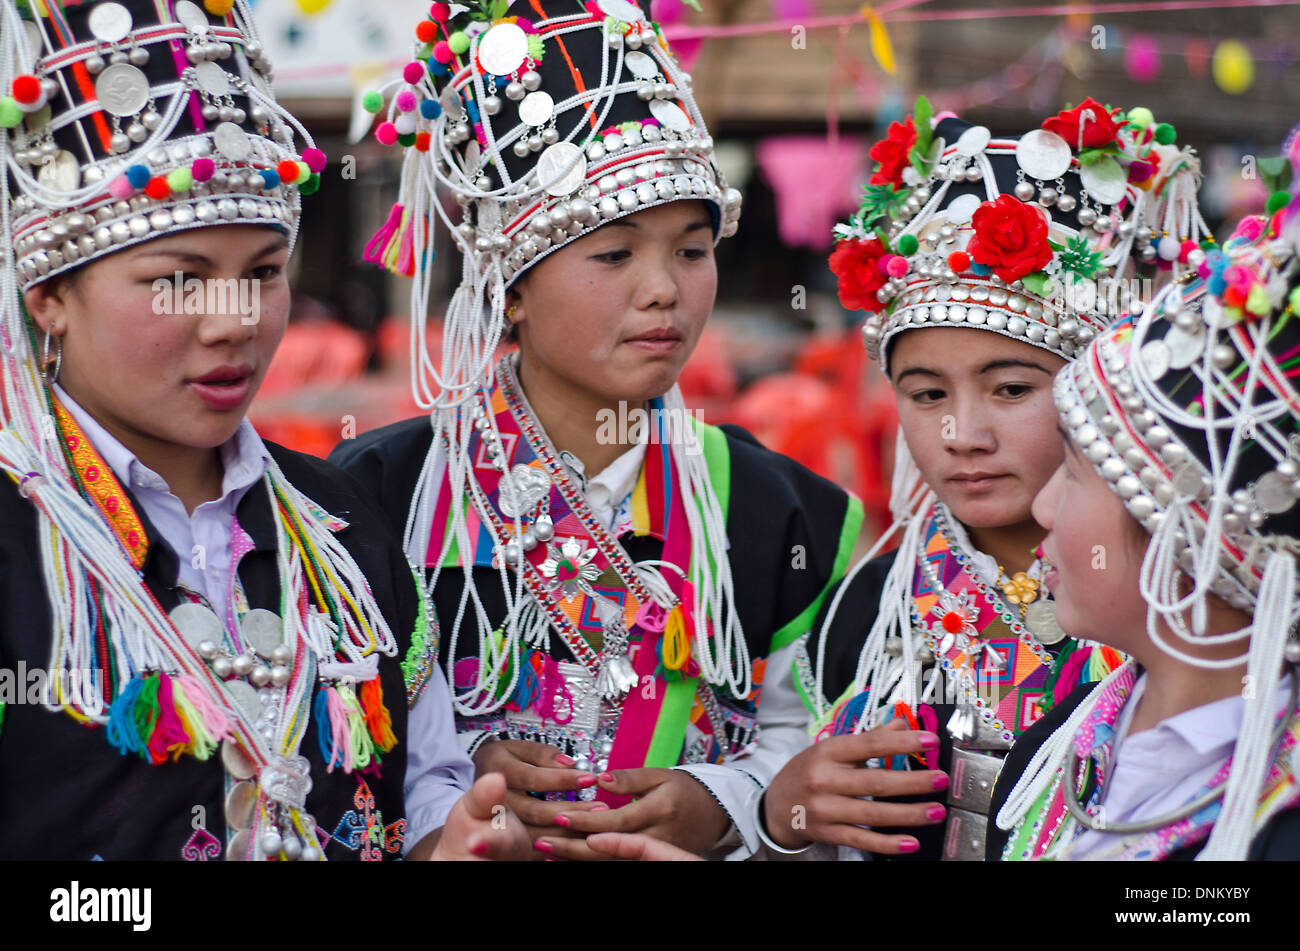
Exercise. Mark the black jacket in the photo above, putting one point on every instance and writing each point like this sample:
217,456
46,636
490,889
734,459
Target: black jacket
68,794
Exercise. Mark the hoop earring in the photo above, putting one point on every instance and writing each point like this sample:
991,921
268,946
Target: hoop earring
45,359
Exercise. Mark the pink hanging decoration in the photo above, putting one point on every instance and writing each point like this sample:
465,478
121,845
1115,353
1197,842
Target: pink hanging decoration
1142,58
814,185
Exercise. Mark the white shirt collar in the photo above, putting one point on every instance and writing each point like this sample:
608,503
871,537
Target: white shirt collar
244,457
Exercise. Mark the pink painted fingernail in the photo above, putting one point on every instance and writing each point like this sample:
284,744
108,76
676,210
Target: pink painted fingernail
929,741
935,812
908,845
480,849
562,820
564,760
585,781
600,807
941,781
607,777
541,845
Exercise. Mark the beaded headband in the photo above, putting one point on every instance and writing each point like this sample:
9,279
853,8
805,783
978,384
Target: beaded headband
1015,236
1191,413
125,120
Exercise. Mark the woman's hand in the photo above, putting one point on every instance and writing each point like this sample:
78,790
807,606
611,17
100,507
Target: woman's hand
817,795
530,767
671,805
480,827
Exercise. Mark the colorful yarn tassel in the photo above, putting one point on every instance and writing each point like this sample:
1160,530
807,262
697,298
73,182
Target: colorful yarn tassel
216,723
122,731
202,742
528,688
169,738
848,715
363,746
1104,661
378,720
553,685
392,245
676,640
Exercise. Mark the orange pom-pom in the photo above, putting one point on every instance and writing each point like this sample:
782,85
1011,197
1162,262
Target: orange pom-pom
426,31
422,141
158,189
959,261
287,170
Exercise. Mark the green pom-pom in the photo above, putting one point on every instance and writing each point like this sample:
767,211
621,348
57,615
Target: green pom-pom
311,186
1209,244
1294,301
180,179
1140,117
1277,201
1165,134
372,101
10,114
406,140
458,42
304,172
907,244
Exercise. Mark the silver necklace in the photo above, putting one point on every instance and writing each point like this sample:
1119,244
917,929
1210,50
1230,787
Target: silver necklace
1097,824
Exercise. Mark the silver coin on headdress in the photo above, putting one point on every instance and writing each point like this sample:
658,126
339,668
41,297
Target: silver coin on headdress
1184,348
190,15
61,173
232,141
1043,155
1105,180
562,168
641,65
962,208
536,108
973,141
1156,358
503,49
669,115
122,89
110,22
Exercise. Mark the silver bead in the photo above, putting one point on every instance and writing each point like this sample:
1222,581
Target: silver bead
515,91
260,675
1125,230
139,56
1292,652
973,173
492,105
1024,190
521,147
119,142
207,650
544,529
1047,197
535,143
136,132
95,64
282,654
1087,217
271,844
1066,203
531,80
243,665
512,553
550,135
292,849
632,41
222,667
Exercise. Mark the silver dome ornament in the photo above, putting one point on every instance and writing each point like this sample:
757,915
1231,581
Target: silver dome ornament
1087,217
1025,191
515,91
1047,197
531,80
520,147
492,105
222,667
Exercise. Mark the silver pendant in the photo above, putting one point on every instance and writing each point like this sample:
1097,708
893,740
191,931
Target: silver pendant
1184,348
961,209
240,804
641,65
623,10
503,49
537,108
973,141
212,79
62,173
1040,618
197,623
1156,357
452,104
1043,155
237,762
961,725
262,630
239,849
562,169
110,22
232,142
616,677
1105,180
521,489
670,115
189,14
1273,493
244,697
122,90
945,644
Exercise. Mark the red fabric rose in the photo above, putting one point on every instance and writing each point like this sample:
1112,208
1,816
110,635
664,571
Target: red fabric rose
1010,238
1098,130
857,265
892,151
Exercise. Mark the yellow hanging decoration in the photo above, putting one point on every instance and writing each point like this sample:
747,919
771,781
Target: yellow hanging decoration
677,642
881,48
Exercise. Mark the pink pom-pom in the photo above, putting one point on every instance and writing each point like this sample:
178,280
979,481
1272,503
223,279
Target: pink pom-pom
439,12
1237,276
120,187
893,265
1186,248
442,52
203,169
386,133
1250,228
414,72
1203,270
315,160
406,101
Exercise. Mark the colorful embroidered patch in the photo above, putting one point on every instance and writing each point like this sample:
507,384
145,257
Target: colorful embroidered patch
363,828
202,846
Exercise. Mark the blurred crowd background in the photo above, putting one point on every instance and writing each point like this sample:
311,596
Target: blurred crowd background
794,93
